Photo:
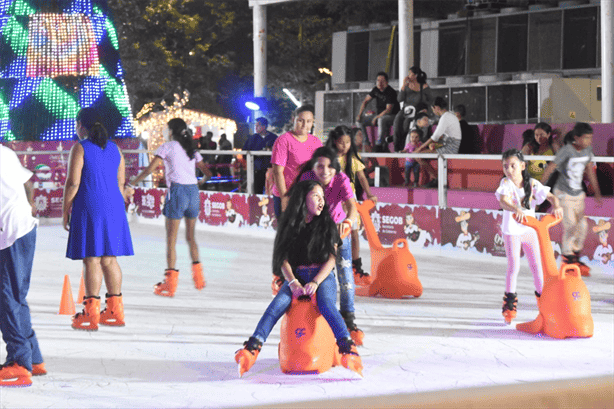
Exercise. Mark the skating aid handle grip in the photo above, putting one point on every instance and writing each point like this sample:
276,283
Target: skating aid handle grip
346,228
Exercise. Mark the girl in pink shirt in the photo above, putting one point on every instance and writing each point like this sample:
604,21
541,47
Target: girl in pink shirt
324,167
290,151
182,200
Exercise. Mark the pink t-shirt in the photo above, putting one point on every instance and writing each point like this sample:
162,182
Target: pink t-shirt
179,168
338,191
292,154
409,148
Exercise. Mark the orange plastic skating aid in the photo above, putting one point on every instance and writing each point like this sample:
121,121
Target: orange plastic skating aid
15,375
39,369
307,344
113,314
89,318
167,287
394,271
198,276
565,304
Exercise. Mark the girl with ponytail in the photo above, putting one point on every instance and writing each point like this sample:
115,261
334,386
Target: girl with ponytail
180,161
518,195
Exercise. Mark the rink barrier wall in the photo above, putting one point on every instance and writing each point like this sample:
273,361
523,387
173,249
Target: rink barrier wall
462,230
585,393
458,231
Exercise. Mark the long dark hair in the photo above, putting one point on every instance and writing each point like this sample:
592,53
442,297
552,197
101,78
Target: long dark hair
96,132
182,134
579,129
544,127
526,178
325,234
331,143
321,152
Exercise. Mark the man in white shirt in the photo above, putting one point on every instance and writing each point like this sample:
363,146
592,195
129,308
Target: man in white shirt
445,139
17,242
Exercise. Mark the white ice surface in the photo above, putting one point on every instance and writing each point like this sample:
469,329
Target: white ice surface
178,352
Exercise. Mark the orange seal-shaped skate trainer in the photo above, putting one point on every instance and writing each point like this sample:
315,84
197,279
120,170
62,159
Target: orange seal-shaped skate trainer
307,343
394,269
565,303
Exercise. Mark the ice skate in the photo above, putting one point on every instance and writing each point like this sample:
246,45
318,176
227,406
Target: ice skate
360,277
89,318
198,276
510,300
39,369
349,355
167,287
113,314
246,357
276,284
357,335
14,375
574,259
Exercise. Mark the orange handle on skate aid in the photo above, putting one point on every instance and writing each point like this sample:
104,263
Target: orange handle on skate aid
346,228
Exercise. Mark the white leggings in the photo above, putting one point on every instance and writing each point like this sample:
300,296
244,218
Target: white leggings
529,243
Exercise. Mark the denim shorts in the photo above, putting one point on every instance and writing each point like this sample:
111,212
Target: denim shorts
182,201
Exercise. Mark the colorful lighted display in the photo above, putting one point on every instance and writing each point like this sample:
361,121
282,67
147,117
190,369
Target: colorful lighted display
57,56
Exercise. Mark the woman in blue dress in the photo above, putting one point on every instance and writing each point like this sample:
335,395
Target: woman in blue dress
94,215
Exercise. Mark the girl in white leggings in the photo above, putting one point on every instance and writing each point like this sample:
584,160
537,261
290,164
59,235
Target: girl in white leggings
518,195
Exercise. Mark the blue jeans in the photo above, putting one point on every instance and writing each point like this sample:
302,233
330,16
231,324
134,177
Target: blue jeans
412,166
277,206
15,272
182,201
326,296
345,274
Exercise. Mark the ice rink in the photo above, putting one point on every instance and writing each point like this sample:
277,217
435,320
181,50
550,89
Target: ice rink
179,352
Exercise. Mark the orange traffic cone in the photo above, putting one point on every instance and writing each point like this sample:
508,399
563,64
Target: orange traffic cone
67,303
81,290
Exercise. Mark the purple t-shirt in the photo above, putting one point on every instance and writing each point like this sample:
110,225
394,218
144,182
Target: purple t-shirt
179,168
409,148
292,154
338,191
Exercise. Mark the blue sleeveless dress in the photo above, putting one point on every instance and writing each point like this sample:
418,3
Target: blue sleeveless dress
98,223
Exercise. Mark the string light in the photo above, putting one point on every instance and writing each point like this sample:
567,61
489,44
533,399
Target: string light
154,123
53,64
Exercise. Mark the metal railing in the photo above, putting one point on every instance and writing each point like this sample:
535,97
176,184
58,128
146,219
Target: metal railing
442,163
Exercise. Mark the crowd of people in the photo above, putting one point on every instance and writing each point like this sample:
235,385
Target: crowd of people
315,187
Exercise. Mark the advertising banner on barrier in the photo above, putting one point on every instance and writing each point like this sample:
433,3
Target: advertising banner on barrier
224,209
261,213
149,202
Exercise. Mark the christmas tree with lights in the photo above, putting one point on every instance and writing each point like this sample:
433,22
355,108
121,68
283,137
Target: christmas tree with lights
56,57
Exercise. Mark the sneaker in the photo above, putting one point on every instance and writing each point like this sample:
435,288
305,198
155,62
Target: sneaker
88,319
167,287
510,300
39,369
113,314
14,375
349,355
198,276
246,357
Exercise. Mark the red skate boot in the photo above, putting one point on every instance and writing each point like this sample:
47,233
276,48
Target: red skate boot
198,276
113,314
89,318
167,287
246,357
360,277
357,335
14,375
509,307
39,369
349,355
